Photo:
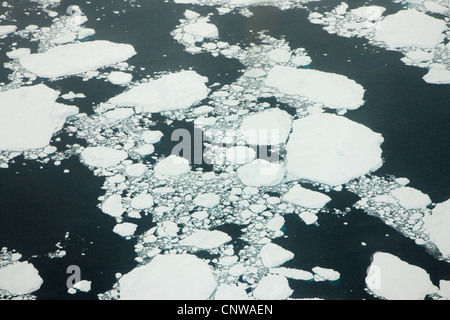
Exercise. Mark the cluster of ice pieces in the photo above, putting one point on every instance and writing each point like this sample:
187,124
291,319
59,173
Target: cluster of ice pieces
418,35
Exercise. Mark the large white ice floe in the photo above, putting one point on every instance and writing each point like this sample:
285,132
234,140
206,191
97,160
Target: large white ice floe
437,225
172,166
207,200
410,28
332,90
437,76
273,255
261,172
20,278
331,149
204,239
29,116
269,127
273,287
125,229
410,198
230,292
113,206
103,157
306,198
173,91
5,30
77,58
391,278
169,277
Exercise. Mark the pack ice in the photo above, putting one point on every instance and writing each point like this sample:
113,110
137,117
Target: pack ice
29,116
71,59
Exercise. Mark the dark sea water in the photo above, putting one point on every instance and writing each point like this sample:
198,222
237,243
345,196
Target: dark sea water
38,206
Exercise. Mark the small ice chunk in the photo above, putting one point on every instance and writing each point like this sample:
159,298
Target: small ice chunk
145,149
371,13
207,200
308,217
205,239
18,53
306,198
170,92
410,198
4,30
120,78
269,127
169,277
391,278
344,151
83,285
136,169
152,136
103,157
172,166
255,73
230,292
273,287
293,273
125,229
276,223
273,255
20,278
261,172
202,29
279,55
240,154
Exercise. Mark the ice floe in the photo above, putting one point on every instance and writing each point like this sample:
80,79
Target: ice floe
204,239
333,90
437,225
261,173
20,278
173,91
72,59
29,116
171,276
273,287
306,198
391,278
331,149
273,255
103,157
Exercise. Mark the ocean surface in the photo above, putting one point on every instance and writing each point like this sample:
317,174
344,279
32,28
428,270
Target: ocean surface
40,203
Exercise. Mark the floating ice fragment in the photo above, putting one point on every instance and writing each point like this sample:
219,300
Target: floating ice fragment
102,157
261,173
306,198
172,166
410,28
71,59
326,274
273,287
169,277
273,255
230,292
4,30
411,198
142,201
20,278
205,239
269,127
170,92
29,116
207,200
437,225
331,149
333,90
113,206
120,78
437,76
393,279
